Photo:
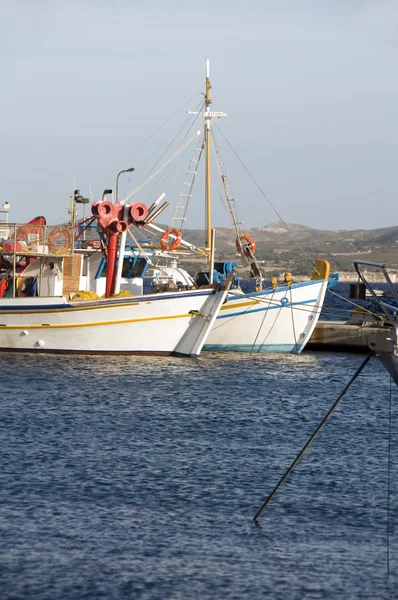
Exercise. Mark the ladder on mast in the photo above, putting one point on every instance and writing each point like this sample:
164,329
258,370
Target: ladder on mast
179,218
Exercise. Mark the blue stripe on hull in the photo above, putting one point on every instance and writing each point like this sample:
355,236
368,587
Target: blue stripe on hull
269,307
280,288
280,348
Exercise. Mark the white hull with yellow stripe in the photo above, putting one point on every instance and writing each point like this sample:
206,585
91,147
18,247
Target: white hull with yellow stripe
273,320
158,324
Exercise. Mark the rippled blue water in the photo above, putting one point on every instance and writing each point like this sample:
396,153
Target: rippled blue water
139,477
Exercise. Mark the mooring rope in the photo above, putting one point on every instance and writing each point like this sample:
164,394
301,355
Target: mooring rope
292,315
374,314
260,328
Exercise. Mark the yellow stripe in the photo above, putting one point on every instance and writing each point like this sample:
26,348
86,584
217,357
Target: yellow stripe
71,325
230,306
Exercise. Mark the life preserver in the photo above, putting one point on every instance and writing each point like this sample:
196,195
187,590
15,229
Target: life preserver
177,241
245,245
59,238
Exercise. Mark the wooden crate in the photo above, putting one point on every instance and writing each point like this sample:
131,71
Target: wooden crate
72,266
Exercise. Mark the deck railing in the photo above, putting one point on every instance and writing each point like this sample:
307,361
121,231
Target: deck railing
20,243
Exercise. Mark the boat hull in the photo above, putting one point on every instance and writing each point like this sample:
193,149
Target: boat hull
156,324
273,320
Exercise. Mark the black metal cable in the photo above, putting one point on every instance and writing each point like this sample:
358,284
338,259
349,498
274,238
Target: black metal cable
312,437
389,477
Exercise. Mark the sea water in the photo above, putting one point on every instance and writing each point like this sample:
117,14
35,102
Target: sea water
139,477
132,477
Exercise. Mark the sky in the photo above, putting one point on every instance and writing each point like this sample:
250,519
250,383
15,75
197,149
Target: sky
309,87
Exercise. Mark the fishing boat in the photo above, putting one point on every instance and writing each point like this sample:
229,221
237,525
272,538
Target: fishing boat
41,309
278,318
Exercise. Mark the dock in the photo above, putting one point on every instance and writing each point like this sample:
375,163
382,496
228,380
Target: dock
342,336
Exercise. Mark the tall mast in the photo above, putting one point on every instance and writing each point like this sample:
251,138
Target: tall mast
208,155
208,116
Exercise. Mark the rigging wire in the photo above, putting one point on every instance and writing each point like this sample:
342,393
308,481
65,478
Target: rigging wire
374,314
180,129
176,153
136,242
216,149
331,310
260,328
144,142
177,163
297,307
292,315
268,200
271,329
233,210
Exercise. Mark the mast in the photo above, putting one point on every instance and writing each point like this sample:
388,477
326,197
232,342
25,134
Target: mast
208,115
208,155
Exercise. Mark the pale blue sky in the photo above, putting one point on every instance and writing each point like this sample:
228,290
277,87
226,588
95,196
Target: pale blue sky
310,89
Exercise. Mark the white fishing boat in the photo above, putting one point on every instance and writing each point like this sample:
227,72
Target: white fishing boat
52,318
278,318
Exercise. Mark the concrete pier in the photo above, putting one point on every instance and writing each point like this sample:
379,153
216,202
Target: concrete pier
340,336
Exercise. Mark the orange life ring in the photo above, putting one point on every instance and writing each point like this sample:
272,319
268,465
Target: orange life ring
59,238
177,241
248,247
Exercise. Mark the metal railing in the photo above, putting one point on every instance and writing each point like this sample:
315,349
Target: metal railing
22,242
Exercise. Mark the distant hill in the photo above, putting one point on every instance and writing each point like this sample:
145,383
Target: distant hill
285,246
290,247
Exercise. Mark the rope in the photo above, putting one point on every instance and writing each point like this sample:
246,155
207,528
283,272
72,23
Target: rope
270,305
276,303
232,208
292,314
374,314
136,242
271,328
224,322
176,153
180,129
329,311
267,199
145,141
260,328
